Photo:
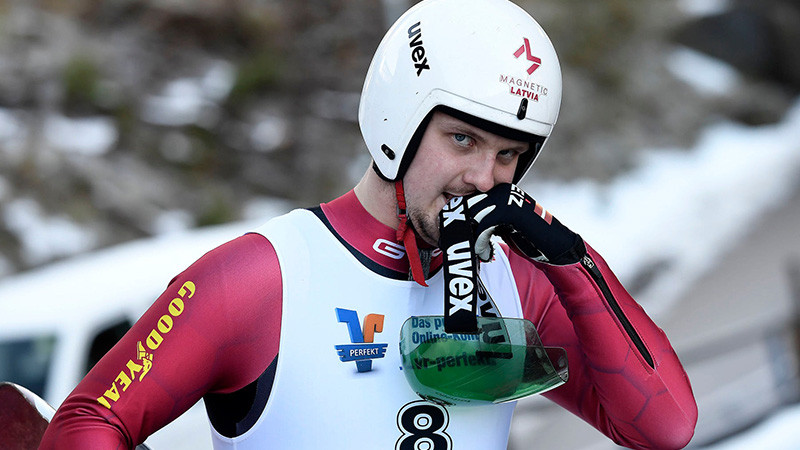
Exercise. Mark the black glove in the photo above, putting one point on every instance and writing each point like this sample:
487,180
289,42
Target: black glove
466,225
509,212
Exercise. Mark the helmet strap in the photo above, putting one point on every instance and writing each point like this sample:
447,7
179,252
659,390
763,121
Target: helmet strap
406,235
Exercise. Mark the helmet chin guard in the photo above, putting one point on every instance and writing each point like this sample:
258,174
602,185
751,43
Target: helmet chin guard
487,62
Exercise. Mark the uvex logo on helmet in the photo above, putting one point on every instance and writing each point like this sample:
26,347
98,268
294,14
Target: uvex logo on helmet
526,48
417,50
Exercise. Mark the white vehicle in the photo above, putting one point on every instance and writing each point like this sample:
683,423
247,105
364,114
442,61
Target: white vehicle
57,321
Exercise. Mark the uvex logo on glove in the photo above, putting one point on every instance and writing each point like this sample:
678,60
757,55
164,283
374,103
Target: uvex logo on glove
460,268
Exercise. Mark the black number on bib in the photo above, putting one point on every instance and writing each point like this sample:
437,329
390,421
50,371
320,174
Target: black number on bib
423,425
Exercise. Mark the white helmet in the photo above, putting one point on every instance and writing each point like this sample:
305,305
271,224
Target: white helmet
487,62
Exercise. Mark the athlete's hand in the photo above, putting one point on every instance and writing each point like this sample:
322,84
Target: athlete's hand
509,212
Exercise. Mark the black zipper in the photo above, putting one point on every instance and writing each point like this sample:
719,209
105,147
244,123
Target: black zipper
591,267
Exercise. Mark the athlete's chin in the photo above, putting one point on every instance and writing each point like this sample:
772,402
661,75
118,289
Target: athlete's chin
426,221
430,238
428,230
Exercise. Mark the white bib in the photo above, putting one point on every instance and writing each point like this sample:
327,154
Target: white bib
319,401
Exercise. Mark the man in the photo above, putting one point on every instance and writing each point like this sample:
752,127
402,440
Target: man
458,102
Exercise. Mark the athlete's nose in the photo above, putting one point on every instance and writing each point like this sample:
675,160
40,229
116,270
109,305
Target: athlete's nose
481,173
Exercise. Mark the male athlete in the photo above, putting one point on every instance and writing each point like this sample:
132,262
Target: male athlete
290,333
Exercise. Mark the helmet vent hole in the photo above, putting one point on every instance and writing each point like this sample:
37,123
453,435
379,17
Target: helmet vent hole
387,151
523,109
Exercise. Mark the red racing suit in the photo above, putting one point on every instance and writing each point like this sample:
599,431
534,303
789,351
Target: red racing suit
624,377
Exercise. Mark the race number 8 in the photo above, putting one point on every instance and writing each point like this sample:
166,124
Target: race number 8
423,425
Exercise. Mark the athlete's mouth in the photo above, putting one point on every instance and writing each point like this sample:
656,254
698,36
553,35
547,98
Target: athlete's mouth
448,196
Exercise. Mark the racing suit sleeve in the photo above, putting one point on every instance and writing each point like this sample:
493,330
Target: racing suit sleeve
624,377
214,329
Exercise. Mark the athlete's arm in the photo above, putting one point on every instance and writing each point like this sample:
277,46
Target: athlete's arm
624,377
215,329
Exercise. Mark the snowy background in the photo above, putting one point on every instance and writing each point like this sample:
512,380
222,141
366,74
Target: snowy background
665,159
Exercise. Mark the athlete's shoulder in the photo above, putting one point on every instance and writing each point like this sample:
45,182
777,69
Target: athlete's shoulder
249,248
286,221
245,267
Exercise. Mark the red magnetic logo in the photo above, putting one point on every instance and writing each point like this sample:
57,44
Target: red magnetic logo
526,48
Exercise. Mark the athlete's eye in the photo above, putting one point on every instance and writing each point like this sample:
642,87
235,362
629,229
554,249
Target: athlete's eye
509,155
463,140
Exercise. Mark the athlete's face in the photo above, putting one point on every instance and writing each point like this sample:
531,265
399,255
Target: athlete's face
454,159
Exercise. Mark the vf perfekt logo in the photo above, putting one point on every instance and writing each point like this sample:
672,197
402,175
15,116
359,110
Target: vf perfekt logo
362,350
526,48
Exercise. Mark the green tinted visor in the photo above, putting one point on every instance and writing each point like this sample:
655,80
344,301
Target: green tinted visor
505,360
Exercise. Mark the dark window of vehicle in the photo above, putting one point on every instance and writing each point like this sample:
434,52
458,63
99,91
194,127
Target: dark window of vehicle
26,361
104,340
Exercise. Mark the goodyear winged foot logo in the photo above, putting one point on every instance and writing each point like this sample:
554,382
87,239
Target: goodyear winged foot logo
136,369
362,350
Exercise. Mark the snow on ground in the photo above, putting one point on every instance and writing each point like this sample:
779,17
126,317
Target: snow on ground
92,136
779,432
269,133
12,132
709,77
9,125
189,101
44,237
